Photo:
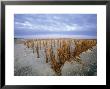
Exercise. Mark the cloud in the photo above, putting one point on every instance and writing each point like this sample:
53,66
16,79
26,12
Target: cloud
55,23
49,36
55,26
25,24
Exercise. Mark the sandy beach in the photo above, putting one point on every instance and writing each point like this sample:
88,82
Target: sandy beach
26,63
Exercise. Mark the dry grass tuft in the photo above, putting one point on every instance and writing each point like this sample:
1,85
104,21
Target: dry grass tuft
63,48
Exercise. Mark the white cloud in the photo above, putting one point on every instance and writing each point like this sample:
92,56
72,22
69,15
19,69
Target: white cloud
56,17
50,36
55,26
73,27
26,23
29,18
52,25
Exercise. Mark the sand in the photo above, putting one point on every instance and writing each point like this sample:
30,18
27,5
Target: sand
26,63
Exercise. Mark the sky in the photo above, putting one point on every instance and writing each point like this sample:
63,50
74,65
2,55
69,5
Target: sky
55,25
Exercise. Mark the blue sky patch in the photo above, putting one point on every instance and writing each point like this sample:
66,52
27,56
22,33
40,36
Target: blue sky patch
66,25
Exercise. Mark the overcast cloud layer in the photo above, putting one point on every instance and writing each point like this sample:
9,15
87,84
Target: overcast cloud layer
55,25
